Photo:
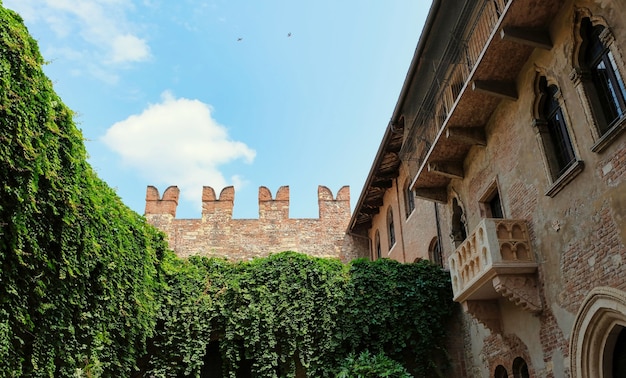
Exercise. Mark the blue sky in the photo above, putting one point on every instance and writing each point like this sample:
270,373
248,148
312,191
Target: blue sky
228,92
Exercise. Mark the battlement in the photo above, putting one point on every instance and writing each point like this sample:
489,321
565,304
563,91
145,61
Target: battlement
269,207
216,233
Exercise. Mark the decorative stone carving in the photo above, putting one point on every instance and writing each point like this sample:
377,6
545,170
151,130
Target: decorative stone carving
486,312
495,261
521,290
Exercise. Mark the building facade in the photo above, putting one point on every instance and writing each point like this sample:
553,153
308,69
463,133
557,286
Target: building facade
505,163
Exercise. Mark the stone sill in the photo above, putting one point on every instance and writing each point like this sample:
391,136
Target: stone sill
565,178
608,137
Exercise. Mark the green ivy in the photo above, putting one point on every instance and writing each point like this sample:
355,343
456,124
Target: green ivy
367,365
292,314
78,269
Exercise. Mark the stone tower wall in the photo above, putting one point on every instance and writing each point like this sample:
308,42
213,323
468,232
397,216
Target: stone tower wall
217,234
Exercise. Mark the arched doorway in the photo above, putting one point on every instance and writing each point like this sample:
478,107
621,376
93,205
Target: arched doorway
598,343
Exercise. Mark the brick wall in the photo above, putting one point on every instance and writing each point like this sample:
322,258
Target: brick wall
217,234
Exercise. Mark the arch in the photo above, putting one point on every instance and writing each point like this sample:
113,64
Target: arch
500,372
434,251
597,330
520,368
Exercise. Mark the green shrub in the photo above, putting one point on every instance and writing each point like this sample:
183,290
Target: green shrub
368,365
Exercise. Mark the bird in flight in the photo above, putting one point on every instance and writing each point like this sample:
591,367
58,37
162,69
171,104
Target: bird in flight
239,39
289,34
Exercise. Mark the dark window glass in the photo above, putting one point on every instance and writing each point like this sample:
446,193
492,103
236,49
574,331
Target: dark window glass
496,206
392,232
410,200
435,252
520,368
378,249
605,76
559,146
500,372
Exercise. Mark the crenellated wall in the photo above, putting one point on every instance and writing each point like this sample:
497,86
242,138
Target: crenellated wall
217,234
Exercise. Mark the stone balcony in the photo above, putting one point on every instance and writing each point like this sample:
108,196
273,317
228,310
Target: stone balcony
496,261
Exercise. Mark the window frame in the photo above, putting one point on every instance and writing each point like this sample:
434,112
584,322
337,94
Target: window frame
391,232
603,131
549,103
378,252
409,199
486,202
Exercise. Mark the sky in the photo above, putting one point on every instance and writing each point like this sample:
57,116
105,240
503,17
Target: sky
216,93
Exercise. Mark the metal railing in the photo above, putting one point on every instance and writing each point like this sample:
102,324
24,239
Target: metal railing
465,48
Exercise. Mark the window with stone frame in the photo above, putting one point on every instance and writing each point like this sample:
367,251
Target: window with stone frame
391,232
557,141
608,91
598,78
434,252
490,203
554,135
409,199
377,248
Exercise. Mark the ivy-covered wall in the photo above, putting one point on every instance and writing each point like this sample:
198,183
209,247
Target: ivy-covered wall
78,269
291,314
89,289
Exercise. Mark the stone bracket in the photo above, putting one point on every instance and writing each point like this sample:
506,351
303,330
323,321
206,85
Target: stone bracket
521,289
486,312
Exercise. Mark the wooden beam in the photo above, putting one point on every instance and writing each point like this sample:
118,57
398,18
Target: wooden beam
374,202
502,89
382,184
369,210
527,36
451,169
467,135
432,194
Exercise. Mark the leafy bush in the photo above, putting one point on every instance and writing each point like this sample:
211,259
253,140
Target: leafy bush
368,365
292,314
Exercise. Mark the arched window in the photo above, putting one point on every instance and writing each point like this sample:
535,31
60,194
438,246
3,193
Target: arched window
552,128
500,372
608,92
459,232
377,248
434,252
390,228
409,199
520,368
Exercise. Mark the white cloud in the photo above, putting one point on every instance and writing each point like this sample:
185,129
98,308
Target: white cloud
177,142
128,48
100,29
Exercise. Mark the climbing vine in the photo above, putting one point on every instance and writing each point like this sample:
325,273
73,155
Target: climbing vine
78,269
291,313
89,289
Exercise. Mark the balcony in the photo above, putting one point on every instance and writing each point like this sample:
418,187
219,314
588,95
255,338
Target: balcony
495,261
475,75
